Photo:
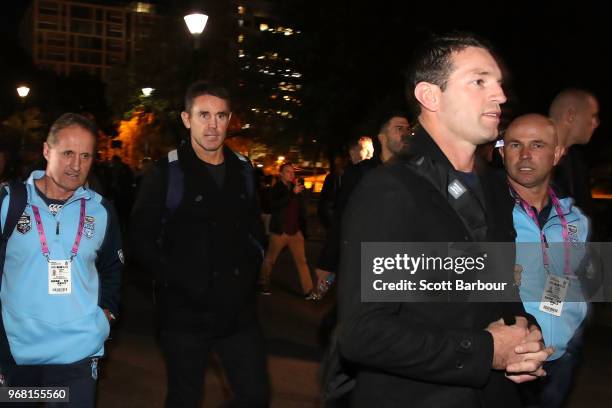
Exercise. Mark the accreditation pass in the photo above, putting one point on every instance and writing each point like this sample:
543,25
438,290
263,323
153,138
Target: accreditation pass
554,294
60,278
34,394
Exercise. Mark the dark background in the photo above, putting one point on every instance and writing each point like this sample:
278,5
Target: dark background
353,54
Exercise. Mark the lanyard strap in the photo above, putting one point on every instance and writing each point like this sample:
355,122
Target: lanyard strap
43,238
543,242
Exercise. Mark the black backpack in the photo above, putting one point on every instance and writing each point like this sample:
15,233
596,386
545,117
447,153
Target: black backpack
17,204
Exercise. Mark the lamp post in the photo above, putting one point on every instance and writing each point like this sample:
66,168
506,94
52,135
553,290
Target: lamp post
23,92
146,92
196,22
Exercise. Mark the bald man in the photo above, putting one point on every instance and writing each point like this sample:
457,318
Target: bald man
540,214
575,113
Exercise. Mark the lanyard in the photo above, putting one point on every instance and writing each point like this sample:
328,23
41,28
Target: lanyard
43,239
564,229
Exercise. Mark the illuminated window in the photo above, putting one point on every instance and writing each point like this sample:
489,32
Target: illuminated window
241,38
241,10
263,27
143,8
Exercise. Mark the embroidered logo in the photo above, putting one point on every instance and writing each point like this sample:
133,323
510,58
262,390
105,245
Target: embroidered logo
24,224
572,231
456,189
88,228
54,208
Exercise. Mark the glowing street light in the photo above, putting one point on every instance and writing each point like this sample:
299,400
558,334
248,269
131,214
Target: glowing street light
23,92
196,22
146,92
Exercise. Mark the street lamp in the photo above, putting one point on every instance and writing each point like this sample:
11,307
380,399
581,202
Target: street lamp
23,92
195,24
146,92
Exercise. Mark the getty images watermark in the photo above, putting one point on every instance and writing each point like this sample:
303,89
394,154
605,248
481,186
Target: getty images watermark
484,272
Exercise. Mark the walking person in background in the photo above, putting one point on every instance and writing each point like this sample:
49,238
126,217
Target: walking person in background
287,228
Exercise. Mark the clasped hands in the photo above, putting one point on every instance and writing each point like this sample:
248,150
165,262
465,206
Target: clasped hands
518,349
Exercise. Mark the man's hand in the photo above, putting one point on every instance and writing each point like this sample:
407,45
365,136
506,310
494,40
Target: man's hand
529,357
298,188
322,275
518,271
111,317
505,340
518,350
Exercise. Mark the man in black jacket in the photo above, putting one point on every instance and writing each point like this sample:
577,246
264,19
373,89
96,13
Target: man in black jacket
436,354
575,113
205,256
287,228
392,137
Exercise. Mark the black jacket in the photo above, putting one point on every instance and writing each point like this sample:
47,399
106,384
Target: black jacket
329,257
420,354
572,176
207,261
280,195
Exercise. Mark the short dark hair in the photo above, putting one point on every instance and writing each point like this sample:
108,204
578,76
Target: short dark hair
385,118
200,88
71,119
282,166
432,61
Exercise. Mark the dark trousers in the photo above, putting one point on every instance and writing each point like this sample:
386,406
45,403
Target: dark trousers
242,355
80,378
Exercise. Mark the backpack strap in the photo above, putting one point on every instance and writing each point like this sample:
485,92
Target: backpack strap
17,202
249,174
174,192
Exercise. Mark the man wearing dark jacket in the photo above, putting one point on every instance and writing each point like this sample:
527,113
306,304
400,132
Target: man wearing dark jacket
436,354
392,136
575,113
205,256
287,228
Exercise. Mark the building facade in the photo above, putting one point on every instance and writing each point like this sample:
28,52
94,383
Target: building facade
71,37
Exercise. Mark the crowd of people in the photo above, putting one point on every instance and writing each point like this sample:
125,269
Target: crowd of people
196,227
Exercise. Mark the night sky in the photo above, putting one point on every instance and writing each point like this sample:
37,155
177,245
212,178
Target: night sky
546,47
